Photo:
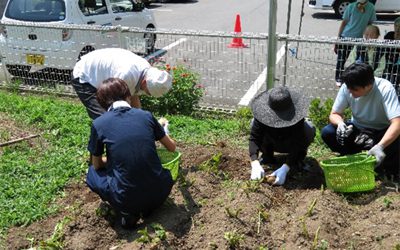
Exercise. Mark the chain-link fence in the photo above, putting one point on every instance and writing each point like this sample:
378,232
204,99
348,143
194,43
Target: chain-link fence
42,56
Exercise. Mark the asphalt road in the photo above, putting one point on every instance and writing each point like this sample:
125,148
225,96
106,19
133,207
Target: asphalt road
219,15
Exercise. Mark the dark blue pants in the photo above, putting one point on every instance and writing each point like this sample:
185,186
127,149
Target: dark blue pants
391,163
87,94
343,52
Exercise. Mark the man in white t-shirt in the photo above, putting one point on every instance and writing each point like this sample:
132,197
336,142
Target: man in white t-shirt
99,65
375,121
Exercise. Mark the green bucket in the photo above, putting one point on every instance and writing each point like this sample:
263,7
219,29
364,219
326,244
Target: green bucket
170,161
350,173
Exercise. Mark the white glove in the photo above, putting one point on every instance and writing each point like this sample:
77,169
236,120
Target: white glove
164,123
377,151
343,131
257,172
280,174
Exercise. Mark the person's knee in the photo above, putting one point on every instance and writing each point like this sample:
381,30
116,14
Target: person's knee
326,133
310,132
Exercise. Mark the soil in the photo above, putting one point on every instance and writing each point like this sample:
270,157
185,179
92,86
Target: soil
222,209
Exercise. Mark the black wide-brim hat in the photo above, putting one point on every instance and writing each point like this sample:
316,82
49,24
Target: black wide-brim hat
280,107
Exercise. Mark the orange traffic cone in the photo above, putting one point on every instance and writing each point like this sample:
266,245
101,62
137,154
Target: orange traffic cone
237,41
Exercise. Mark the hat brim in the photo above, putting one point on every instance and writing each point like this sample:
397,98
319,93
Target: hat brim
263,113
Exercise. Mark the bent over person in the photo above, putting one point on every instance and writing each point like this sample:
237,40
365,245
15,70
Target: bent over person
128,175
375,121
99,65
279,125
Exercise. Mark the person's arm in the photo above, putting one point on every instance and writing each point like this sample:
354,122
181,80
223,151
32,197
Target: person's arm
135,101
391,133
168,143
256,137
341,27
99,162
335,118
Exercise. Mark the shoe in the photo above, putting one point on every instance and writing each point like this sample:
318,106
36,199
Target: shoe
129,221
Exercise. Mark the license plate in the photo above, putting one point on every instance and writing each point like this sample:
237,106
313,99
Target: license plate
35,59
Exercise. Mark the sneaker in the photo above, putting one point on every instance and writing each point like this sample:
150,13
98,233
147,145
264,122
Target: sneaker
129,221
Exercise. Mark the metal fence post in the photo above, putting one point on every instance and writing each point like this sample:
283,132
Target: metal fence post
271,61
286,42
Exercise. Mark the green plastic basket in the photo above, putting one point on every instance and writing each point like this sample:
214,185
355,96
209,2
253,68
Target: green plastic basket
170,161
350,173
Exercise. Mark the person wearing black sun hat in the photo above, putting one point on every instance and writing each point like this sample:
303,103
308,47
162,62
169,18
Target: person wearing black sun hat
279,125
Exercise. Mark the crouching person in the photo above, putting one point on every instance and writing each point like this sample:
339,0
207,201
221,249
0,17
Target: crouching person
279,125
375,121
126,171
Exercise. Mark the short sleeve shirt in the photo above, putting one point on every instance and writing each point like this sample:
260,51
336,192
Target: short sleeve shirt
99,65
135,173
357,21
374,110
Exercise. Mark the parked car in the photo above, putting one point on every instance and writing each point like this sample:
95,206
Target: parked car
21,42
339,6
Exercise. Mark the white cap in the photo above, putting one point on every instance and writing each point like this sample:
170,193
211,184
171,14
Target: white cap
158,81
362,1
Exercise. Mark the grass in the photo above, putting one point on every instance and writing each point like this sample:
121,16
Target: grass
31,178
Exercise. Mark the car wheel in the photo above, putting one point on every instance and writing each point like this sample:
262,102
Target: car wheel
84,51
340,7
150,41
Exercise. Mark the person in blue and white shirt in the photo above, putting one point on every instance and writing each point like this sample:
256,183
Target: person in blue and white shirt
126,171
375,121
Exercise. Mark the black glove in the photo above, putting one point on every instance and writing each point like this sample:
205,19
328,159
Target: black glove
365,139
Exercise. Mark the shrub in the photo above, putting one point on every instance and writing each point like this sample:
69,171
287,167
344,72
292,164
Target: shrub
244,115
319,112
183,97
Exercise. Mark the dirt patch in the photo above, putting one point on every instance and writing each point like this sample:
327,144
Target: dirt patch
222,209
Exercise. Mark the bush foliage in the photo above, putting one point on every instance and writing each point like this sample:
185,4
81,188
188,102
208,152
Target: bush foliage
182,99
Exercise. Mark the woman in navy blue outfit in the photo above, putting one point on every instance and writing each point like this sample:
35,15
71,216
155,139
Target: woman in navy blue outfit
126,170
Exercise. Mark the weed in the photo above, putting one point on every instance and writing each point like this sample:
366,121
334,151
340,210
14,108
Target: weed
233,238
212,245
263,215
304,227
324,245
144,236
252,186
315,242
233,213
185,182
387,202
396,247
311,208
56,240
211,165
159,231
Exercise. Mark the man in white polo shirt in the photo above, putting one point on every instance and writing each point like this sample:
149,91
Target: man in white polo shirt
102,64
375,121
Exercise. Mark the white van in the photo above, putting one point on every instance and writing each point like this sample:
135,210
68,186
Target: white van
340,5
30,48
